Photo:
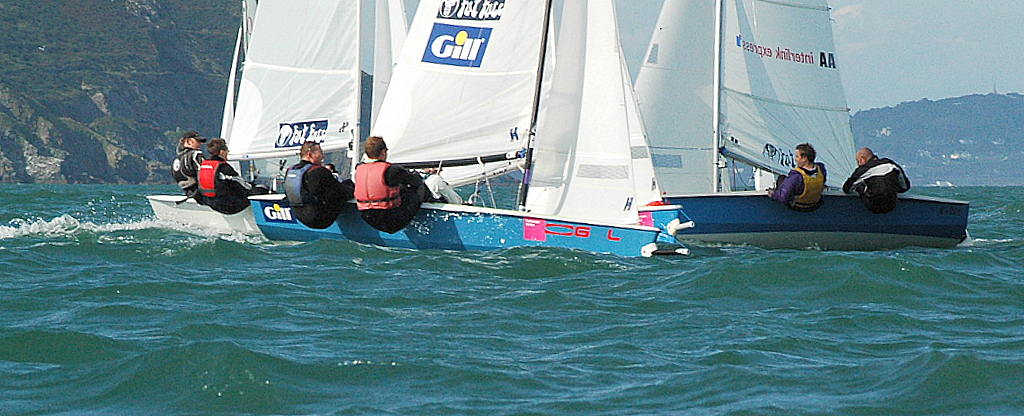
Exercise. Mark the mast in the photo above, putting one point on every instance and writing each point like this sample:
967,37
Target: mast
716,115
524,186
357,152
229,102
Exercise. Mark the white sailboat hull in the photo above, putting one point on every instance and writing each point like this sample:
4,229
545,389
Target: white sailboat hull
171,208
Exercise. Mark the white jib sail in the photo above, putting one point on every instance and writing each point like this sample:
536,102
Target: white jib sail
300,80
781,86
464,83
675,89
583,164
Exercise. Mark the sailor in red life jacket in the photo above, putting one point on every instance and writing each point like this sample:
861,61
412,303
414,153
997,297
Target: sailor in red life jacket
223,188
387,196
801,189
315,195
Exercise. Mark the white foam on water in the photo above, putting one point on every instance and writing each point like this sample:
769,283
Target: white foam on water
67,225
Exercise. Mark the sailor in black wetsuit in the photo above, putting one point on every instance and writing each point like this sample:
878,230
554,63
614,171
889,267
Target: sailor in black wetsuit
185,168
877,181
315,195
225,191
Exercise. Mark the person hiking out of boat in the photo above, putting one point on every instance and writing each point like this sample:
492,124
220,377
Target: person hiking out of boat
877,181
223,188
315,195
185,168
388,196
801,189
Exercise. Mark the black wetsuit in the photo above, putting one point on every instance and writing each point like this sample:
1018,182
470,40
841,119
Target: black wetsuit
878,181
185,170
323,197
232,190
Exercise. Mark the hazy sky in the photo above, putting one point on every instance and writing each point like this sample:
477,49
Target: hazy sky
891,51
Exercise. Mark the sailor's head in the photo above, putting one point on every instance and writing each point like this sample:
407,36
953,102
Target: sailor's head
216,146
807,151
864,155
311,152
191,139
375,148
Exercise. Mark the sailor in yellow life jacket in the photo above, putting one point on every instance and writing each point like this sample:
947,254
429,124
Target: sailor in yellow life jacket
801,189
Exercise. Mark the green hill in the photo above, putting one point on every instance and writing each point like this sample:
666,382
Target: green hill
98,91
969,140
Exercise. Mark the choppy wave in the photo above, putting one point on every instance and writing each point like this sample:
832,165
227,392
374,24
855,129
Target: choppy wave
105,310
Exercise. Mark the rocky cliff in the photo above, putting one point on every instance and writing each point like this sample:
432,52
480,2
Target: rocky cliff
100,90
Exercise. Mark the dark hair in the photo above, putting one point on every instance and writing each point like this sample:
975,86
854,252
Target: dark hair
192,134
216,145
807,150
374,146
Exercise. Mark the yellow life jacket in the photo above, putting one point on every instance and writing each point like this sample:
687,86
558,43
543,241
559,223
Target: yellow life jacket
814,184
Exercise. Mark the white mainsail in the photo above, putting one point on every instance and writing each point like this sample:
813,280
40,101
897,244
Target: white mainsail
464,83
584,149
781,86
391,29
775,85
301,79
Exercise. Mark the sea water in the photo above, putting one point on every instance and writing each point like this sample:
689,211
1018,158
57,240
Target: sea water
106,311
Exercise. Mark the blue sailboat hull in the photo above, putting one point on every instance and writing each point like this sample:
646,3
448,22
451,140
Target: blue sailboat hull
458,227
842,223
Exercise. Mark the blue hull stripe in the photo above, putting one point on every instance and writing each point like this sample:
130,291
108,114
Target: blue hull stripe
463,229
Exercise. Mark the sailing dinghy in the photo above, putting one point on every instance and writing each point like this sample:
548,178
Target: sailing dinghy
732,83
468,89
292,89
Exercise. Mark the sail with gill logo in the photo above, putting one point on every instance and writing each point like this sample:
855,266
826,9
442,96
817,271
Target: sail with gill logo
463,86
293,89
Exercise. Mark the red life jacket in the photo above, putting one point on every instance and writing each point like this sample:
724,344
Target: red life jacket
371,191
208,177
